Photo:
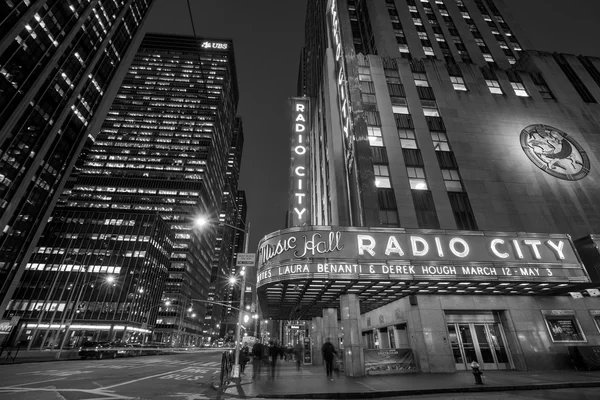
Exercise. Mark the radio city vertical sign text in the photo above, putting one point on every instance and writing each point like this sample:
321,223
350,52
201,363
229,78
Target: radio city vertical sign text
300,169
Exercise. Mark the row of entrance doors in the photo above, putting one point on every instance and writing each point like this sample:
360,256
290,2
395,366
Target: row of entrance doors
484,343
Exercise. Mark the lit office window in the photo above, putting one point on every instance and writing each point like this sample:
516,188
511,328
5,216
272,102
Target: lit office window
452,180
519,89
375,137
494,86
400,109
382,176
458,83
420,79
407,139
440,141
416,178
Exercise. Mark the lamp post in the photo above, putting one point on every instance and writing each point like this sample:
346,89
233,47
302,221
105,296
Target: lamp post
236,365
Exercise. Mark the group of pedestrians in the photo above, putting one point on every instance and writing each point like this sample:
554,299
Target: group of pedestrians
264,355
267,355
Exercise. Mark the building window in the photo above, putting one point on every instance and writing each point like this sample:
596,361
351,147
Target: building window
452,180
416,177
519,89
488,57
494,86
369,98
421,80
461,208
431,111
375,137
545,92
440,141
364,74
389,217
564,328
425,209
400,109
407,139
382,176
458,83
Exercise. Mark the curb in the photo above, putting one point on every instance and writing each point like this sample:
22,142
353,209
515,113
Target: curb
417,392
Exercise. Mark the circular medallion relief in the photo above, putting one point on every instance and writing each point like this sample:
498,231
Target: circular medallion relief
555,152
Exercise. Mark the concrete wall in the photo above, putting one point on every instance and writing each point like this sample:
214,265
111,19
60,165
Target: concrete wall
528,340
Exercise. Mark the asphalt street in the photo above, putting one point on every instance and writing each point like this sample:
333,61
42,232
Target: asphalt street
183,376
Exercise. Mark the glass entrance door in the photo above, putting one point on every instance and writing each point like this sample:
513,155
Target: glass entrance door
480,342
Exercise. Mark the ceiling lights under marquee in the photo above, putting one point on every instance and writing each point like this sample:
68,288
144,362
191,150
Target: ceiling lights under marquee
303,270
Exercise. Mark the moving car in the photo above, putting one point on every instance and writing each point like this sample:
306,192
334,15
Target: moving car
97,350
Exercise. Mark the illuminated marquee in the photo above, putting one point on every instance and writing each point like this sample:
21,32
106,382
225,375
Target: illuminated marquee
300,208
362,253
215,45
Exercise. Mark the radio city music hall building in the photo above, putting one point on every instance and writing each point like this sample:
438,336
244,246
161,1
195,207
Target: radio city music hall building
443,196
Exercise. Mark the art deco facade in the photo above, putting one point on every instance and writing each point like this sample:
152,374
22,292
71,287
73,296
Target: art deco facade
429,120
57,62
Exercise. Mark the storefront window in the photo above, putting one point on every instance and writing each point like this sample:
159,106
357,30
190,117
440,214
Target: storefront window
564,328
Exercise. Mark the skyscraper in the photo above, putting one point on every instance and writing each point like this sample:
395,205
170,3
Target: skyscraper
164,148
447,169
57,61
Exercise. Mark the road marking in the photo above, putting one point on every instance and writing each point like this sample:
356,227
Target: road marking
34,383
142,379
368,386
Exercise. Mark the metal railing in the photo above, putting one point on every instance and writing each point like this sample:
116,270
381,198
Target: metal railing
226,368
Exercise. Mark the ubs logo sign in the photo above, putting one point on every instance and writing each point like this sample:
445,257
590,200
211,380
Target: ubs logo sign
553,151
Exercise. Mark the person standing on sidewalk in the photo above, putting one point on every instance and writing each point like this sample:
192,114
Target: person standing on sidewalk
299,355
244,355
257,355
329,353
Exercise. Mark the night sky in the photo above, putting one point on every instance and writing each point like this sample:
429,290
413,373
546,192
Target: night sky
268,36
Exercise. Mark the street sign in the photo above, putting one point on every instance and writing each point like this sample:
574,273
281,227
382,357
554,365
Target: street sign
245,260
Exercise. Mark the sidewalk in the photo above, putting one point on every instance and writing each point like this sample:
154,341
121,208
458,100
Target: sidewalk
311,382
24,356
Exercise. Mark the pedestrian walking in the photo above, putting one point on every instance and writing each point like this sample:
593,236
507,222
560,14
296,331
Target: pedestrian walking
329,353
273,354
298,354
244,355
257,355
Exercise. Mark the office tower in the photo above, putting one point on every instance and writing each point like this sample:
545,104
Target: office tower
57,62
444,160
96,275
163,148
229,240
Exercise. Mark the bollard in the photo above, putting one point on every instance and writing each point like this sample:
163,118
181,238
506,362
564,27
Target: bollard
477,373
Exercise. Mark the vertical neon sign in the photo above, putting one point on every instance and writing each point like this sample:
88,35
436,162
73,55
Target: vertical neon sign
342,77
300,169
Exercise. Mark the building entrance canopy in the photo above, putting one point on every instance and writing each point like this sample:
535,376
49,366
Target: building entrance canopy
302,270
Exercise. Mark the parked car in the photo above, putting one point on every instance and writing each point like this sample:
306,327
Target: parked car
97,350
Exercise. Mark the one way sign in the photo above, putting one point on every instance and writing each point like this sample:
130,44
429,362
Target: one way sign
245,260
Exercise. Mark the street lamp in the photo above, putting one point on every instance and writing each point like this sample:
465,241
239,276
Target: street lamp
200,222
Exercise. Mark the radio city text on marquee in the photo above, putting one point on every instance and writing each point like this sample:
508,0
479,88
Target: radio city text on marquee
380,252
